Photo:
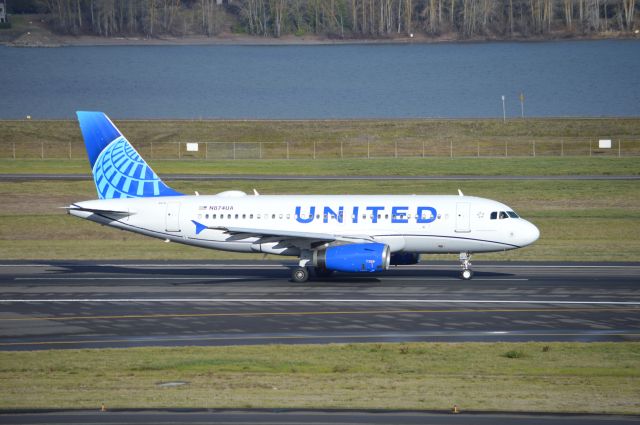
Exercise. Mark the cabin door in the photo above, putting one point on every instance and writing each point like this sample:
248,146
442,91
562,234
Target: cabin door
172,217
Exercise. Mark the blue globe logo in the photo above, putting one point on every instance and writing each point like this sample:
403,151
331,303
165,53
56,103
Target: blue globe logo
120,172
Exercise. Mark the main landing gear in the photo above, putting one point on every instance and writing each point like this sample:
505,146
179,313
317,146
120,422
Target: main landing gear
300,274
465,263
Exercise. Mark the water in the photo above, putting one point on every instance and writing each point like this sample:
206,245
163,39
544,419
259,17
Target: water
573,78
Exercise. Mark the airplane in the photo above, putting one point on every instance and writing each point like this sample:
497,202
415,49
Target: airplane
328,233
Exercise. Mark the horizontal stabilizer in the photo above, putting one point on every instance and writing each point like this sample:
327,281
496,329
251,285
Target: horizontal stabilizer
97,210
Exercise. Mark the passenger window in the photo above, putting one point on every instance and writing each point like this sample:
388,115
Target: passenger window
251,216
206,216
494,215
273,216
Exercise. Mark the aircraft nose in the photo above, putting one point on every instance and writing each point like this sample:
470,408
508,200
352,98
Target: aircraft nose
530,233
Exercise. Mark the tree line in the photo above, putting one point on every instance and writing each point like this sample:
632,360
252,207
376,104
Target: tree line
462,19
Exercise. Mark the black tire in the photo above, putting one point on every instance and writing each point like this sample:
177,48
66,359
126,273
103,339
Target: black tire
300,275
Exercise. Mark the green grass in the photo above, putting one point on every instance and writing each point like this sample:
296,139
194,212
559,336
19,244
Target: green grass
546,377
358,167
145,131
333,139
579,220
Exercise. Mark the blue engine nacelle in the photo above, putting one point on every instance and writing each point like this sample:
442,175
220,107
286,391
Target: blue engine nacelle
404,258
353,258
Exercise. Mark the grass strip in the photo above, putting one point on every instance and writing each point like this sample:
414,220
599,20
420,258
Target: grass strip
23,131
539,166
544,377
304,141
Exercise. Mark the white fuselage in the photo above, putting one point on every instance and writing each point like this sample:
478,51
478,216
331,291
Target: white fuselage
407,223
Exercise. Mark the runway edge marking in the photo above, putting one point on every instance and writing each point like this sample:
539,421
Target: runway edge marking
302,300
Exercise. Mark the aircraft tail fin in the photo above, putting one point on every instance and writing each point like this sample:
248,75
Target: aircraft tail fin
118,169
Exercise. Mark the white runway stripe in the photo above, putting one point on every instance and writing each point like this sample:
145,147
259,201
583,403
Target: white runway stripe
129,278
425,265
317,300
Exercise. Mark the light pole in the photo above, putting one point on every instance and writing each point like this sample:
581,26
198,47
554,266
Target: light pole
522,104
504,111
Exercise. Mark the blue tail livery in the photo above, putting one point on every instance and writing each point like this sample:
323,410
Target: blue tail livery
118,170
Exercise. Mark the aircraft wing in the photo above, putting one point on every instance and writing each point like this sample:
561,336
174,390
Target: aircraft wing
283,235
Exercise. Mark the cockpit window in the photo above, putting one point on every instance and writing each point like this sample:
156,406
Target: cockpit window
503,214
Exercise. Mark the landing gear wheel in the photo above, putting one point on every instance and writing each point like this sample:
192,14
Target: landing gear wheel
300,274
465,262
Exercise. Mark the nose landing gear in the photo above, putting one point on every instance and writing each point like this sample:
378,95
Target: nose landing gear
465,263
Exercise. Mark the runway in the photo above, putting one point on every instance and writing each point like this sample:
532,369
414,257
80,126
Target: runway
318,417
58,305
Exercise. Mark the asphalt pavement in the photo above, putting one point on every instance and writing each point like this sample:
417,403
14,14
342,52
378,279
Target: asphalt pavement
316,417
88,304
122,304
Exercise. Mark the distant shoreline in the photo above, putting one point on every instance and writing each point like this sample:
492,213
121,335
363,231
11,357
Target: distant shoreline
233,39
35,30
40,36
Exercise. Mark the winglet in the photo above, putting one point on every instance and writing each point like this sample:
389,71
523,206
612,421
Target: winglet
199,227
